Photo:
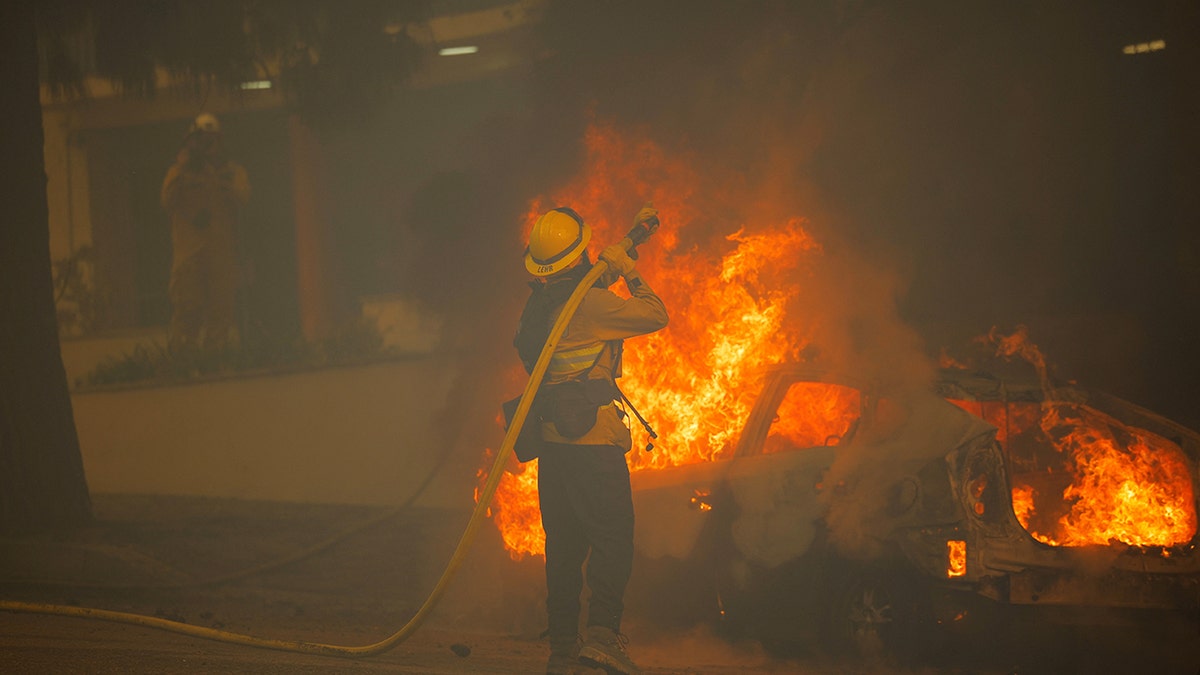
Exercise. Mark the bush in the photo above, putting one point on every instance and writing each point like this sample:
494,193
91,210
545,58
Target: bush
355,343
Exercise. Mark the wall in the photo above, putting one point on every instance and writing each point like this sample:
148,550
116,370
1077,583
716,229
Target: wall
360,435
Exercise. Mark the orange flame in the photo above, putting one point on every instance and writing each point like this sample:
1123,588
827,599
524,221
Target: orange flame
1023,499
1080,477
516,513
813,414
956,558
727,295
1128,485
696,379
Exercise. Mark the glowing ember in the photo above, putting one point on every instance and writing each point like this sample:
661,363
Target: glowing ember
727,295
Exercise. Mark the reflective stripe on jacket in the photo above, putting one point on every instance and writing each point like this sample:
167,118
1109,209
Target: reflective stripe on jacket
569,363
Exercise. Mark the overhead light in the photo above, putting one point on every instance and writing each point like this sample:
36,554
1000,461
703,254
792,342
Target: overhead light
255,84
1144,47
457,51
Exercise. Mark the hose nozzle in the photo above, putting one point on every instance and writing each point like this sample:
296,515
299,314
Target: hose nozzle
640,233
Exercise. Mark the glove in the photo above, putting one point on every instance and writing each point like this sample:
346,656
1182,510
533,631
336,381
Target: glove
617,259
648,216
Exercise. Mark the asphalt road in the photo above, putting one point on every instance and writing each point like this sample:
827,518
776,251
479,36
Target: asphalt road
44,644
153,556
344,584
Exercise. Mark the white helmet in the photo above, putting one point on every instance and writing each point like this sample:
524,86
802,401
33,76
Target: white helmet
205,123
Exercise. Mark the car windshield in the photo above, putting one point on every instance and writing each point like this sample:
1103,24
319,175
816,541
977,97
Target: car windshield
1081,477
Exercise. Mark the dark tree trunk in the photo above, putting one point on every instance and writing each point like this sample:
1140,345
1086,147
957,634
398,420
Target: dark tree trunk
42,486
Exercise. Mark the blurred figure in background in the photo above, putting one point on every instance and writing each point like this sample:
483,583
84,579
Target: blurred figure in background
202,194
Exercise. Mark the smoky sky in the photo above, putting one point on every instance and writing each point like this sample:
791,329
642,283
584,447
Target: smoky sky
998,164
1007,160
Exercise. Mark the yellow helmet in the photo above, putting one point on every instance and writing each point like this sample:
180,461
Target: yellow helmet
558,238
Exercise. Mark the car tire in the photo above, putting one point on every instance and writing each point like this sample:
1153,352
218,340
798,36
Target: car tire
779,608
876,614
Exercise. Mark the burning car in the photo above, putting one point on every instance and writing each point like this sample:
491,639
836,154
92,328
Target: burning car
873,516
870,506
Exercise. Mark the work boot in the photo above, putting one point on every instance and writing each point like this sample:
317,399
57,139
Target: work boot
605,648
564,656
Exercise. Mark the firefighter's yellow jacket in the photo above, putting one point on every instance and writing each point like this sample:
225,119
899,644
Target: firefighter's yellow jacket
593,337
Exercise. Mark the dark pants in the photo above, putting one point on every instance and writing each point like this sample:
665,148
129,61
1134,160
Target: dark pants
586,506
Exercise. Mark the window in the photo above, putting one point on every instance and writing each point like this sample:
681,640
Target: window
813,414
1080,477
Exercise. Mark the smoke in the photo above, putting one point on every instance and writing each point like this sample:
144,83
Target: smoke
919,162
748,131
990,156
705,651
751,97
464,264
493,593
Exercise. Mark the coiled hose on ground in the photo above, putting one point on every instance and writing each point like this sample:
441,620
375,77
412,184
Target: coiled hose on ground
635,237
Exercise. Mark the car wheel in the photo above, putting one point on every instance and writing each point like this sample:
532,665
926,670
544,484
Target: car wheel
779,608
877,615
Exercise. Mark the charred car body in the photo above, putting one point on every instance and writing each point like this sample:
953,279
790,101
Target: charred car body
867,518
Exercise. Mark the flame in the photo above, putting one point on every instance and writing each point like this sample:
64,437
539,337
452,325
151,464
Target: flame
1018,344
1081,477
516,513
1023,500
813,414
727,293
1128,484
697,379
956,558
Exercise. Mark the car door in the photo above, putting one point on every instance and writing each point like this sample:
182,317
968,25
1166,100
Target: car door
767,494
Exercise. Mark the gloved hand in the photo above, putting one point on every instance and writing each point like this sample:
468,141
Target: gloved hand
618,260
648,216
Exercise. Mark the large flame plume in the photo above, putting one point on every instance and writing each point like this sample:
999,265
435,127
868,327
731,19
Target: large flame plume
731,285
728,293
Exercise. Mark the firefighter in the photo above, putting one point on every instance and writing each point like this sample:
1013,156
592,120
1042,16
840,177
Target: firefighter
583,480
202,194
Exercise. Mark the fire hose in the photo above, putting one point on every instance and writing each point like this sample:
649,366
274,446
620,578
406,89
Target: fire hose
638,235
221,579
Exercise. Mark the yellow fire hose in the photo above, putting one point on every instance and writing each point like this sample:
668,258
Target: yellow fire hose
635,237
